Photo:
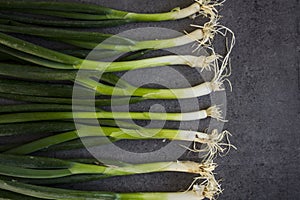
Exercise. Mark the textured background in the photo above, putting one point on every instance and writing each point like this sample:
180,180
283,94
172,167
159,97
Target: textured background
263,109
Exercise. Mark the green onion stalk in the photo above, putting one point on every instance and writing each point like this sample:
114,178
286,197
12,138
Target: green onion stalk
53,59
205,88
213,142
117,44
85,15
124,89
15,166
26,168
207,189
213,112
13,122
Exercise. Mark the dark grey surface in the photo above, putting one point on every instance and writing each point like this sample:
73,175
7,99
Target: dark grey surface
263,109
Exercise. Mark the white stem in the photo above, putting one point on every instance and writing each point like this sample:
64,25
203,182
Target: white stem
202,114
199,90
187,12
189,37
204,169
192,136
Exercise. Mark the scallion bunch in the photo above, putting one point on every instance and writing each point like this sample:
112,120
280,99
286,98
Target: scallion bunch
46,78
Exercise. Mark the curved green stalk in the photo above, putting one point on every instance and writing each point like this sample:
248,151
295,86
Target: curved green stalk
43,143
53,193
113,133
81,143
196,35
25,173
33,72
34,59
29,88
64,194
69,62
92,40
37,50
62,168
107,13
38,73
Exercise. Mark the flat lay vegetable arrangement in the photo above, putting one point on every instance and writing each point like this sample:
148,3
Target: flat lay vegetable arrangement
43,81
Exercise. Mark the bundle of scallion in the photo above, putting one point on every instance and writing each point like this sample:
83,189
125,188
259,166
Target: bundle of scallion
121,88
52,59
67,69
45,77
20,171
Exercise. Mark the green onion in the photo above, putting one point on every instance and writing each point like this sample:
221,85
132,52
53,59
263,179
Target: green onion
31,72
70,10
28,51
91,40
211,140
201,191
213,112
50,163
38,73
82,143
31,168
